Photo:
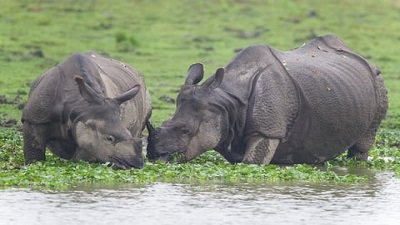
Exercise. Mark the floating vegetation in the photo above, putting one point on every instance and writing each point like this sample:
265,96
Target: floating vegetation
56,173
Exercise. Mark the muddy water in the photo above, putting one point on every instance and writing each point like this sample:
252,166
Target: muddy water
376,202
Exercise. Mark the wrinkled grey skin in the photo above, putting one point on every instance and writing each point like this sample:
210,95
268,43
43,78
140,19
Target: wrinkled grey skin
87,108
307,105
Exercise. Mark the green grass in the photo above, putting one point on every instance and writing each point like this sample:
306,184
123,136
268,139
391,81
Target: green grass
161,39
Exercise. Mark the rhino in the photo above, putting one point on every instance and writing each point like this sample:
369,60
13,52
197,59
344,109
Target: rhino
306,105
89,108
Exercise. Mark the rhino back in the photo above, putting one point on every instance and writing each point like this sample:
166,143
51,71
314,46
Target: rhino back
44,103
119,77
339,99
56,91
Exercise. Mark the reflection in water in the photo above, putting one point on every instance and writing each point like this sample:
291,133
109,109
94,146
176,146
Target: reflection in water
377,202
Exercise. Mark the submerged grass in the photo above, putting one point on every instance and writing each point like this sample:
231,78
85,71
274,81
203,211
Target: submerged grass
161,39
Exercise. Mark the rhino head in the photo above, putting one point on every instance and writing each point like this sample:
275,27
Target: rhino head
99,133
197,124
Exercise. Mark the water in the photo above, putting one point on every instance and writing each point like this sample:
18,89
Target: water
377,202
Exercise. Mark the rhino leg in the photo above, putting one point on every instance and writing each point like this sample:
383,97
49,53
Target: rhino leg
260,150
63,149
34,142
360,149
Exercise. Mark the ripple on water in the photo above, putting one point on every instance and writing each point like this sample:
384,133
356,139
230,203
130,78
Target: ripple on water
377,202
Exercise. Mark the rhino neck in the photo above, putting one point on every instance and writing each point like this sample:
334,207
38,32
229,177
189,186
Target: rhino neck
238,100
234,113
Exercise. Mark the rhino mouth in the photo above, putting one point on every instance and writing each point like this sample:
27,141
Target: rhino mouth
164,157
123,164
155,152
178,156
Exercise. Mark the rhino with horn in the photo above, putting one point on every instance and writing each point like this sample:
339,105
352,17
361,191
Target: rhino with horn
87,108
306,105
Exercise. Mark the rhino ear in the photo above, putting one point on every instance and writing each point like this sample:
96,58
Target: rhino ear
129,94
87,92
195,74
219,76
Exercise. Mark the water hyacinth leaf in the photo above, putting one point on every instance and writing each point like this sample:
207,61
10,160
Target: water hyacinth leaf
57,173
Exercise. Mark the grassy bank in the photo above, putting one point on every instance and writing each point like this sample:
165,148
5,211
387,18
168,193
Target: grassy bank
161,39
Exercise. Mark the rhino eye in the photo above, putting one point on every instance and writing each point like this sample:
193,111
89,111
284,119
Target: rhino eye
109,138
185,130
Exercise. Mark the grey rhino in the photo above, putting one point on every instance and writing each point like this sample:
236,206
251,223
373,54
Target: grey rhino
306,105
87,108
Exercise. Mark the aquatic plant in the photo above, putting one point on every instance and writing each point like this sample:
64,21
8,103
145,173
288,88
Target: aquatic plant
56,173
385,154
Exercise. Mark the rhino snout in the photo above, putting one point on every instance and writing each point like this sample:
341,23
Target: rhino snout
163,145
153,156
121,163
129,155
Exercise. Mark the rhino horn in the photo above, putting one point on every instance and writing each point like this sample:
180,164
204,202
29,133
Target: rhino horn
87,92
153,135
152,131
129,94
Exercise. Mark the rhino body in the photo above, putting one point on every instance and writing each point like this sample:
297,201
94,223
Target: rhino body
87,108
306,105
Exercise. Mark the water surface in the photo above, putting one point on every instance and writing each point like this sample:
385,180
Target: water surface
375,202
